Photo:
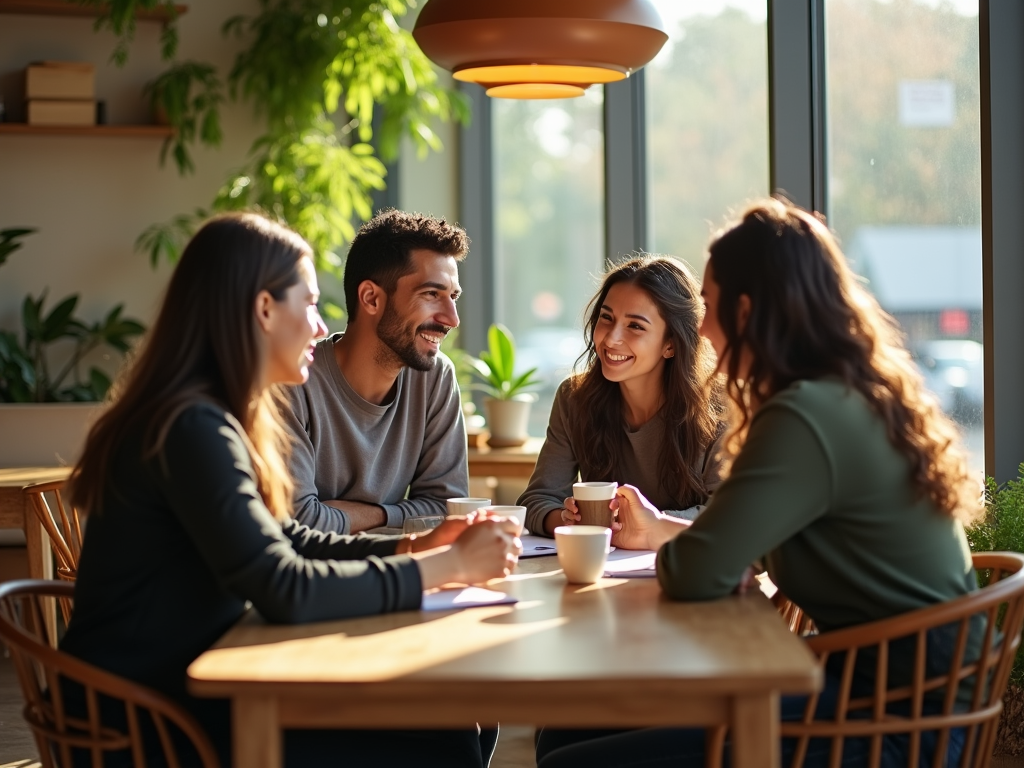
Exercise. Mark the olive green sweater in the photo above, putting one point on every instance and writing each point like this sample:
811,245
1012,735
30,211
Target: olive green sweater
820,493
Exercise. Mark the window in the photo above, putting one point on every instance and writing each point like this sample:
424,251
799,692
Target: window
905,180
707,121
549,229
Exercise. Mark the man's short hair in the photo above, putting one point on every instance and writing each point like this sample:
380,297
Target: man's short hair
381,250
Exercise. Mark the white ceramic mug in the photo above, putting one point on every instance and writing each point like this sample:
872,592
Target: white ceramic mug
508,510
464,505
582,551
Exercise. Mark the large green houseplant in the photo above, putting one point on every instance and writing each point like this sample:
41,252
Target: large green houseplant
338,83
508,392
25,364
1002,529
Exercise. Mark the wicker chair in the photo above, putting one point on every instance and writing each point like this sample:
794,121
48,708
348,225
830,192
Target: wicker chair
64,529
1000,603
863,715
41,670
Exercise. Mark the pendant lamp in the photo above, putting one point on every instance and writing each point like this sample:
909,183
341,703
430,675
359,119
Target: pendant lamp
540,49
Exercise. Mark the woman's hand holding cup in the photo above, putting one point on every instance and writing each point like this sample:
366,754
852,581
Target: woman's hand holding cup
570,514
638,520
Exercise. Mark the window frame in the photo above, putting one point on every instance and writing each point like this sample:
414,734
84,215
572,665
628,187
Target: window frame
798,163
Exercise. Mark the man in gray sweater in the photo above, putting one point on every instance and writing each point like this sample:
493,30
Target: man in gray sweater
379,434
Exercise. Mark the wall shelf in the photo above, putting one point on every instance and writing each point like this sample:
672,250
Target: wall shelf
64,8
129,131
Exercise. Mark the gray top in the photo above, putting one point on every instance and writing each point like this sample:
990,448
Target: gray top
558,467
407,456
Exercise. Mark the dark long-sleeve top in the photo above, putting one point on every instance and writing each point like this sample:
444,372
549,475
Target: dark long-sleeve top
559,466
170,561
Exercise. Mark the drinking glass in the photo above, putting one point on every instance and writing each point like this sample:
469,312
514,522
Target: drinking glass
422,524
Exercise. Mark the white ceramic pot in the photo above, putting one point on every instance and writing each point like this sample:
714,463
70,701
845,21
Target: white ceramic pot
507,420
44,434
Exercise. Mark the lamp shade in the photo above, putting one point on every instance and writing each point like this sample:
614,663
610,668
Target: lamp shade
540,49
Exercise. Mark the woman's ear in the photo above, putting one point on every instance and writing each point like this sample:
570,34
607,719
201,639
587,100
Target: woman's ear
371,298
265,310
668,351
743,307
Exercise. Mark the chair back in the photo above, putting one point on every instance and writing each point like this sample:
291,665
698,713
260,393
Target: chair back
931,698
152,723
63,527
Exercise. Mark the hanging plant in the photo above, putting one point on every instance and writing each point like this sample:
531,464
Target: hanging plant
120,16
339,83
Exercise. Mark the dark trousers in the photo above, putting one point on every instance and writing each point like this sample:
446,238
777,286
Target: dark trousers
463,748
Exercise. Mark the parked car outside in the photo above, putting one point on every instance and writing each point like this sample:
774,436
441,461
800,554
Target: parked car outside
953,370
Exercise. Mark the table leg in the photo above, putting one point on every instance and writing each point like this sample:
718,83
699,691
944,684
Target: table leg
755,731
40,559
255,733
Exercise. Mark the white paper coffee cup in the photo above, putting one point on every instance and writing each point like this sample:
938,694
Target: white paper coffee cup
592,502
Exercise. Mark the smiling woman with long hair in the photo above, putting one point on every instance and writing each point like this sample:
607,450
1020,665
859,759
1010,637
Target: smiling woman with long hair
188,498
641,411
846,480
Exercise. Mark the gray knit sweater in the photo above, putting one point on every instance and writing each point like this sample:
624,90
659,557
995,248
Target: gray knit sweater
408,456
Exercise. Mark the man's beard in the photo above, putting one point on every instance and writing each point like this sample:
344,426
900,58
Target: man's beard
399,341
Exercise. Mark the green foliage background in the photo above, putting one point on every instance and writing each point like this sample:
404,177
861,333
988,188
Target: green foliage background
338,83
1002,530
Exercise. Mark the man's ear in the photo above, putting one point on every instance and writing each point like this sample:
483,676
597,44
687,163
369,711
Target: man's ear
264,308
743,307
372,298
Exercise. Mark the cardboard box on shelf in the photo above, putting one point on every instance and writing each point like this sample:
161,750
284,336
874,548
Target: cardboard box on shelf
66,112
60,80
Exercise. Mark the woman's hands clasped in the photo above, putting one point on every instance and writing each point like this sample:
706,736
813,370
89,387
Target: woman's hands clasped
467,550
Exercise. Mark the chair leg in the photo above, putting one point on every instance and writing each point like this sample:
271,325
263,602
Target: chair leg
714,743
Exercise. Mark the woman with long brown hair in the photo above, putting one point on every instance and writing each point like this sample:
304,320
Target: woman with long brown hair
845,478
185,485
641,412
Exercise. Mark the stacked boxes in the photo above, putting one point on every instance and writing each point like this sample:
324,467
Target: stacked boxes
61,93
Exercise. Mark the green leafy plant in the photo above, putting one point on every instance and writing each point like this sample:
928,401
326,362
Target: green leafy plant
495,368
188,97
1002,529
339,84
120,17
25,365
10,241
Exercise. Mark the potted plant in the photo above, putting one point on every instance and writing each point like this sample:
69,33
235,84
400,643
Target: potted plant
1002,529
508,402
36,434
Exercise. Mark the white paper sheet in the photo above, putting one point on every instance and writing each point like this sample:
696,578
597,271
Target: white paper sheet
468,597
537,546
631,564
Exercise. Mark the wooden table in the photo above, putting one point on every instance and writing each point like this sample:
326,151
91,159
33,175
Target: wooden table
16,512
505,462
612,654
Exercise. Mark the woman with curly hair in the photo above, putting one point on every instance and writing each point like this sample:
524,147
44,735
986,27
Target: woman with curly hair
642,411
845,478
